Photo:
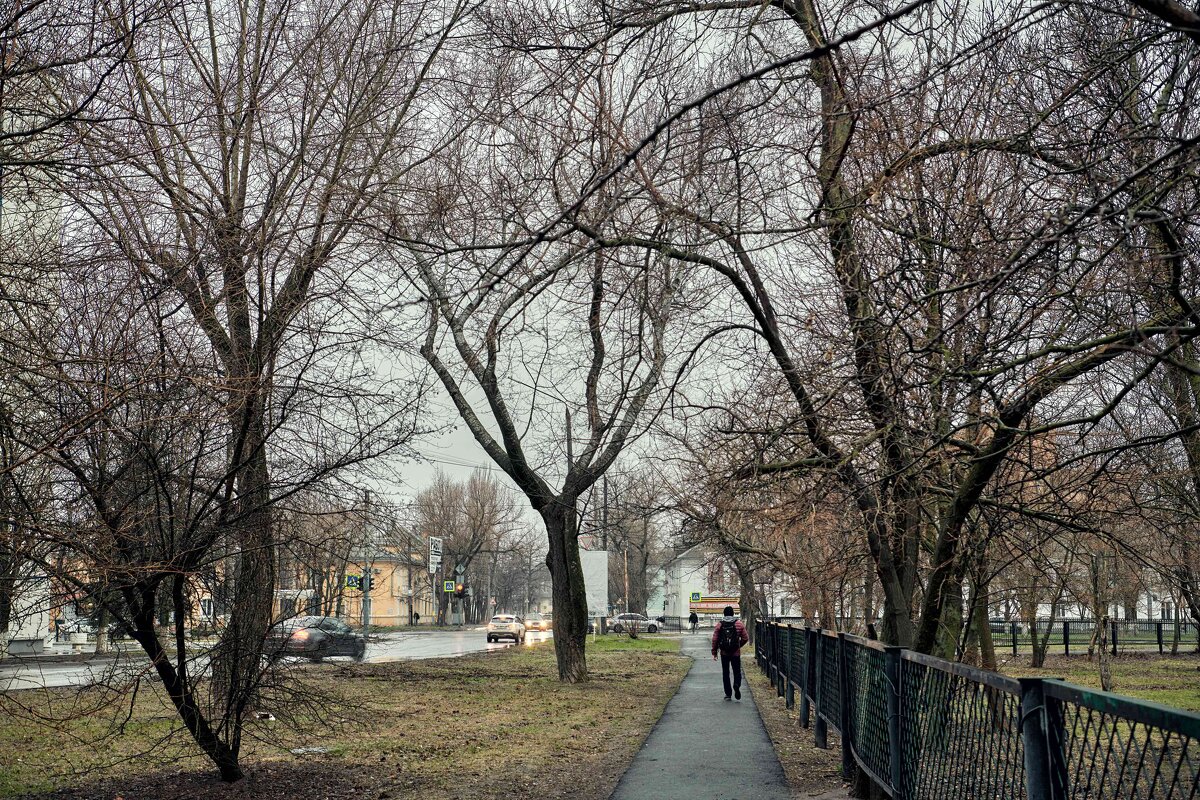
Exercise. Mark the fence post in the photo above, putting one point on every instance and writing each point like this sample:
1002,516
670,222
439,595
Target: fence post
758,642
1012,627
1112,629
1066,638
773,636
806,677
784,660
820,733
771,653
892,671
1159,635
789,699
843,662
1041,739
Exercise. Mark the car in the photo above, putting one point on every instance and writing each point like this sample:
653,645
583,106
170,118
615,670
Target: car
506,626
536,622
76,625
115,630
314,638
640,622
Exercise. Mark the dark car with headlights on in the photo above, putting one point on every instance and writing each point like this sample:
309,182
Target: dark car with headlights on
314,638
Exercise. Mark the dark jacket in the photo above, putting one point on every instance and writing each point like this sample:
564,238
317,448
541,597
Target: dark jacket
743,637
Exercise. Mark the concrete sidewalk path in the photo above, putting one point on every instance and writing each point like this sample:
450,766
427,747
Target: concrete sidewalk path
705,748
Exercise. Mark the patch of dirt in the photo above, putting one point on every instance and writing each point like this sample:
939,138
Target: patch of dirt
810,771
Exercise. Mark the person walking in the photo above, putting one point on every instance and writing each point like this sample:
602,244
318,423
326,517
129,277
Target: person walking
693,620
727,640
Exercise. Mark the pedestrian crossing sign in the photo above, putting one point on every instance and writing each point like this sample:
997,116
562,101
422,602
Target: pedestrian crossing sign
695,597
447,586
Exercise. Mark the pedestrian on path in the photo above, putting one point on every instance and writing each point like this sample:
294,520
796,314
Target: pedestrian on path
693,620
727,639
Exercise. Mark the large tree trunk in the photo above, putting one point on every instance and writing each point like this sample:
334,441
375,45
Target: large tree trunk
983,625
951,626
237,663
567,587
102,620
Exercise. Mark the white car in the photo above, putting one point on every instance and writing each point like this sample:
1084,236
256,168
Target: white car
639,622
506,626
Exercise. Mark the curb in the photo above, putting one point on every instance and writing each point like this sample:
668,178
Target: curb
71,658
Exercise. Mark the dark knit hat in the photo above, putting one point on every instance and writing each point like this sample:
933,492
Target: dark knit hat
729,611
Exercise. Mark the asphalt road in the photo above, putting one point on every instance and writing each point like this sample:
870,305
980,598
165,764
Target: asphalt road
20,674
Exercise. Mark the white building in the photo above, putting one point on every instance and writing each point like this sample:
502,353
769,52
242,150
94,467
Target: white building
29,626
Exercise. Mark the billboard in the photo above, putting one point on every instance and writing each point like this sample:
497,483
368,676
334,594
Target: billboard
595,580
713,605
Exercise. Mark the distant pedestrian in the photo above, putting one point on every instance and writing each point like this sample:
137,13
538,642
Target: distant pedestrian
727,639
693,620
416,618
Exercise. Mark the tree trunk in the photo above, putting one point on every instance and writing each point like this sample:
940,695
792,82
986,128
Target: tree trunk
567,587
983,630
237,663
102,629
951,626
181,691
1100,641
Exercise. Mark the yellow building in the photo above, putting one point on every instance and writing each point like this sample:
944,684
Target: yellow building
400,585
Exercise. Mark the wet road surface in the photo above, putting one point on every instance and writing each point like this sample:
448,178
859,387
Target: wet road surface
17,674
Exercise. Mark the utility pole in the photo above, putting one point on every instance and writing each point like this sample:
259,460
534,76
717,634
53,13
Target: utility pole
369,572
412,542
570,440
604,514
626,551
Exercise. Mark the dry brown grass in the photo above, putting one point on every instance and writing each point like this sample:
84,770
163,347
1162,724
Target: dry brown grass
811,772
496,726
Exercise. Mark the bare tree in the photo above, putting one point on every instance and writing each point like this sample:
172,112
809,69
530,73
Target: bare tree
56,56
953,313
220,208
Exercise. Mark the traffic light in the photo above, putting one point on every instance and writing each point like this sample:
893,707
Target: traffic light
460,589
365,584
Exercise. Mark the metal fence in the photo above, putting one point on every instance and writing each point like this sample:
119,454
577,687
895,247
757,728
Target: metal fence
1065,636
922,728
1075,635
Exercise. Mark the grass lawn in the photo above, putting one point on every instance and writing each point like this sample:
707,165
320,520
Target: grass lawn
494,726
1170,680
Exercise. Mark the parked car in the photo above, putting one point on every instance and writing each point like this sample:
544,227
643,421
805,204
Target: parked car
119,630
622,622
77,625
506,626
116,630
536,622
314,638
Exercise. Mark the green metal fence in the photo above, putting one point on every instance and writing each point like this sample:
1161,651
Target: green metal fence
1070,637
922,728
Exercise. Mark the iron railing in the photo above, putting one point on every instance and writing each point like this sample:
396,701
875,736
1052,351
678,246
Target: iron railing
1065,636
1075,636
923,728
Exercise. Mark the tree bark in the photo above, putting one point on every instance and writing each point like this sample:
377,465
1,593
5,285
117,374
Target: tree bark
570,596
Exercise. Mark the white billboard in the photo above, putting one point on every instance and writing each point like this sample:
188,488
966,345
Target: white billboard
595,581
